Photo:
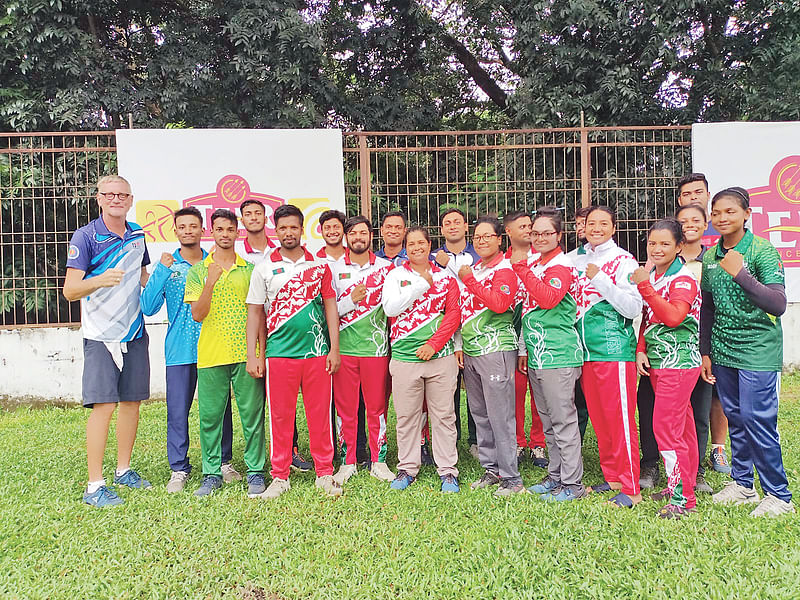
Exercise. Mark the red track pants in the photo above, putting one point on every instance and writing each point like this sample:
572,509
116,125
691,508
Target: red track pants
285,377
673,426
521,385
371,375
610,391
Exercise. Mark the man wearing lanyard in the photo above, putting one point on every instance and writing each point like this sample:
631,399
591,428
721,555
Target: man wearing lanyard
457,252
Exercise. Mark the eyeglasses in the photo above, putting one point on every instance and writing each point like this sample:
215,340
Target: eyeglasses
112,195
542,234
484,238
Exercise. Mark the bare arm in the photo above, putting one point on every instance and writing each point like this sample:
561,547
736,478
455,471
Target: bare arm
256,332
333,361
76,287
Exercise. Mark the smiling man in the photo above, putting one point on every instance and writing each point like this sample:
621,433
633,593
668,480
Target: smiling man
296,287
216,288
254,219
105,271
393,233
331,223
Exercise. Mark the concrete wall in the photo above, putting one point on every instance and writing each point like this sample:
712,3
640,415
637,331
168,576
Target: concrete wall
46,363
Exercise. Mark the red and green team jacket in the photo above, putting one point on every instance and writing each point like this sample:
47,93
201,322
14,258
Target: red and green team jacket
419,313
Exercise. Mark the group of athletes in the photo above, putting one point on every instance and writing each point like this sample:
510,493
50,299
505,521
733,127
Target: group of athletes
349,327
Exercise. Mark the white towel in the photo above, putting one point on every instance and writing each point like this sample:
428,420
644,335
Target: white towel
116,349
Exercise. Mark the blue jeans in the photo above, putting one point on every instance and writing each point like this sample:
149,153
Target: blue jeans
181,384
750,401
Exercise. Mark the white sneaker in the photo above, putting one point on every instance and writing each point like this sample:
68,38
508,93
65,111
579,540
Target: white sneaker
473,450
379,470
733,493
177,481
771,506
276,488
329,485
230,474
344,473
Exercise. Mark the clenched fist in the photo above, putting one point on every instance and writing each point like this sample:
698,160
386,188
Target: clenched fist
639,275
110,278
214,273
442,258
732,263
359,293
464,272
592,270
167,259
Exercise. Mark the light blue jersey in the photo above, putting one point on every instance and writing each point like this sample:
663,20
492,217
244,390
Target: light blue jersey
167,284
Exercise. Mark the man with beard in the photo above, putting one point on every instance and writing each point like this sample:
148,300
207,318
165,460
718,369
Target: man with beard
364,344
297,289
216,288
331,224
257,247
167,283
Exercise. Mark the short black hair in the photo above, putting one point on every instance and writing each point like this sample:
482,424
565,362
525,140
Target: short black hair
224,213
583,211
250,201
418,229
288,210
332,214
357,220
188,211
669,224
394,213
741,195
513,216
552,213
452,210
693,206
691,178
605,209
490,220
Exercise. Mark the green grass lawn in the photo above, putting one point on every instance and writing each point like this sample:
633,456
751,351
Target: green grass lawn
372,542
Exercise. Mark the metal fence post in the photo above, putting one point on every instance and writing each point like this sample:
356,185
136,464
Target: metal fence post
364,169
586,166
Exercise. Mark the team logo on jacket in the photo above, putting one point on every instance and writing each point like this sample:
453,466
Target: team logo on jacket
404,282
278,271
505,289
73,252
683,285
555,282
344,276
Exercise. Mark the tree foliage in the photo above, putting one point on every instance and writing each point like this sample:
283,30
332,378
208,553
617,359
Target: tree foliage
395,64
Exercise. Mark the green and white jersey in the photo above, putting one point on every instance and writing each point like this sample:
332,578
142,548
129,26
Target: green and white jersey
293,293
363,327
744,336
607,304
487,308
548,315
674,347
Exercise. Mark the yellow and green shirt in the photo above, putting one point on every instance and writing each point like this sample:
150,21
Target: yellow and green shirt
222,337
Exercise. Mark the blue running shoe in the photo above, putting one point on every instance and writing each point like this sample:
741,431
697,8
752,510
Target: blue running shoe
450,484
546,486
210,484
256,485
132,479
719,462
102,497
402,481
564,494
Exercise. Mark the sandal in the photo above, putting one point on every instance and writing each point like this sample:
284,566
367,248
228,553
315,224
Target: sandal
603,487
621,500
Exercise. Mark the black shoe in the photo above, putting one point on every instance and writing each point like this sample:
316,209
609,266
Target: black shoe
426,458
299,463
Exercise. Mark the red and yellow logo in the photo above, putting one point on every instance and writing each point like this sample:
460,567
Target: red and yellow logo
155,216
776,214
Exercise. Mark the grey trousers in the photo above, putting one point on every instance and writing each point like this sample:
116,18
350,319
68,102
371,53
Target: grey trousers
553,390
489,380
